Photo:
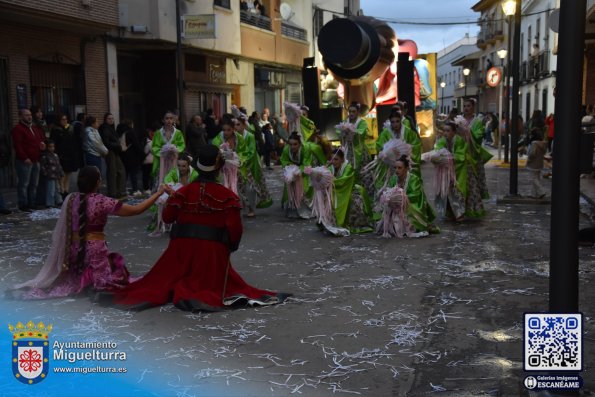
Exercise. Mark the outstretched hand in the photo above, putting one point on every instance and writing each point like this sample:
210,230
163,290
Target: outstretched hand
165,188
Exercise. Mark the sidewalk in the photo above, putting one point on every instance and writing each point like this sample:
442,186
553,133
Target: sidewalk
587,189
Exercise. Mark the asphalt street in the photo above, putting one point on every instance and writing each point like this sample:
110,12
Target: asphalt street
369,316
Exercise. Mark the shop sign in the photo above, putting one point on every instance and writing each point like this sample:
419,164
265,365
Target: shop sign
198,26
216,73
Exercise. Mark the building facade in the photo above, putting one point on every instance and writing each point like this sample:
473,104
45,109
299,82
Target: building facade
53,54
538,58
230,56
451,75
537,75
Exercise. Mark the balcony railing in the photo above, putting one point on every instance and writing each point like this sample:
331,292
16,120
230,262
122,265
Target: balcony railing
543,63
260,21
537,66
294,32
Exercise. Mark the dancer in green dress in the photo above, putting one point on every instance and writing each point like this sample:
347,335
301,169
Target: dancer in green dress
352,206
451,192
255,193
420,215
297,192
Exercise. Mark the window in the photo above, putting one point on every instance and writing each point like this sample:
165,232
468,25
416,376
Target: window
318,20
196,63
537,30
223,3
529,38
522,44
54,87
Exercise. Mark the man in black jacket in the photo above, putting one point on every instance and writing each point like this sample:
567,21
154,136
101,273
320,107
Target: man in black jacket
116,174
211,125
196,136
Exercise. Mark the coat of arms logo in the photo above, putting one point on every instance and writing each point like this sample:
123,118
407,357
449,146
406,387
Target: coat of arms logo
30,351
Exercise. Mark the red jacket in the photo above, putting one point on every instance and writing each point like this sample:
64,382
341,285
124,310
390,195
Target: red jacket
26,141
206,203
549,121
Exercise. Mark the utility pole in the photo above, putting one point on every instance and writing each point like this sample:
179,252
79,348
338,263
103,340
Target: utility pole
180,62
565,180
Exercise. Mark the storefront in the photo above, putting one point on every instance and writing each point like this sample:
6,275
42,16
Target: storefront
206,87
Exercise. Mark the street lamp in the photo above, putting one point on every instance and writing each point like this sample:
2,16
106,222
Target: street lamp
509,9
466,72
442,85
502,52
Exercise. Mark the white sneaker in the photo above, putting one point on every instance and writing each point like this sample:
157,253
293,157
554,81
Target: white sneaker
148,192
138,193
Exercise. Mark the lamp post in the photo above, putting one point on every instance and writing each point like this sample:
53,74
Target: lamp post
502,52
514,114
442,85
509,8
466,72
180,64
564,258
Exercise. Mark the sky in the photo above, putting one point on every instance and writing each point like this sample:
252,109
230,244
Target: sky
428,38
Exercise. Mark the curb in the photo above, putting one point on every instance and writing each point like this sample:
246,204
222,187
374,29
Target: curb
523,200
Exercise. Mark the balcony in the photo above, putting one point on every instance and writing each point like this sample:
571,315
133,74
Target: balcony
223,3
294,32
533,68
543,63
536,67
524,74
260,21
473,85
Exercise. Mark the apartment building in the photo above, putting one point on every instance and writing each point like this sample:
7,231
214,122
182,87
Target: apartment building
53,55
230,55
450,96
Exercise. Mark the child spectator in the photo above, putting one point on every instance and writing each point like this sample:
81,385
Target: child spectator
52,171
537,149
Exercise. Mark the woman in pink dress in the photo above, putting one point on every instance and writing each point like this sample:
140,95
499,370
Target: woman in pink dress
79,258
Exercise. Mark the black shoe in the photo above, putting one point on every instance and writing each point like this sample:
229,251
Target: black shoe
25,209
4,211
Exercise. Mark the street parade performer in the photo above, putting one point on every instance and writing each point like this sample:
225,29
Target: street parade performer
195,271
79,259
353,132
297,190
342,206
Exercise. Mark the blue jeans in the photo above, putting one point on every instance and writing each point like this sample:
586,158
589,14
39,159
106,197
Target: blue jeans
52,195
91,159
27,176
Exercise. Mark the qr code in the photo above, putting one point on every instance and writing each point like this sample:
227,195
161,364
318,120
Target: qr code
553,342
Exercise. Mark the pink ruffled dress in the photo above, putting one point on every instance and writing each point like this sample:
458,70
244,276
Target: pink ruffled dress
102,269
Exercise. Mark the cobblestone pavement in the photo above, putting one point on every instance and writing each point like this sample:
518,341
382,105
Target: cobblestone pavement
370,316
